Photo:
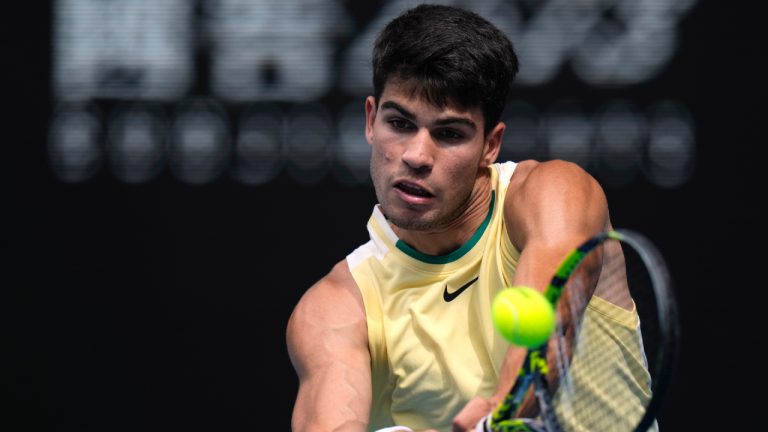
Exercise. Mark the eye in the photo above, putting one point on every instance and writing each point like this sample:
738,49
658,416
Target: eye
449,134
400,124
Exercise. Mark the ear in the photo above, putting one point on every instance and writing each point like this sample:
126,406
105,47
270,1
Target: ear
493,144
370,117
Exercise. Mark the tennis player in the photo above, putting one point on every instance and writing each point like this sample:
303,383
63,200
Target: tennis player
398,335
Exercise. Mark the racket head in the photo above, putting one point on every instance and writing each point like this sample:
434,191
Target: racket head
614,348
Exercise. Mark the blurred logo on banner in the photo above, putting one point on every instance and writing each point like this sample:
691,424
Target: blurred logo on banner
244,91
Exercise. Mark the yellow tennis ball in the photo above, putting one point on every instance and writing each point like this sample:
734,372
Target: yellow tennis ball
523,316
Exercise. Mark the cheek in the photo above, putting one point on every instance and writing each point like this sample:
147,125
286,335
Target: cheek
378,155
382,150
462,166
380,158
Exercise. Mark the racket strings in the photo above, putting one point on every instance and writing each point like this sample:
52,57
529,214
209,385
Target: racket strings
616,329
592,367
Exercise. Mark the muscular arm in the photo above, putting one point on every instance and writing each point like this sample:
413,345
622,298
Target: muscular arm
550,208
553,207
328,346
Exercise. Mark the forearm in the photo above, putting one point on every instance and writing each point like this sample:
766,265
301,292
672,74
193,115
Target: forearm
336,399
535,268
513,361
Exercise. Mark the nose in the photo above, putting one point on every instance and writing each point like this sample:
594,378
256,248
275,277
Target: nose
418,154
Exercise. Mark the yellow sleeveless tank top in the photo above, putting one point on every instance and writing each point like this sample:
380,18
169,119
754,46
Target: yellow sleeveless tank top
432,342
433,345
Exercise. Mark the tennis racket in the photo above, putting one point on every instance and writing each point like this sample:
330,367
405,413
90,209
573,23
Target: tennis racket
605,367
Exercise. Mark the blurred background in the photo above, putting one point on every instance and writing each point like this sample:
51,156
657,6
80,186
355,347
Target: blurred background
177,173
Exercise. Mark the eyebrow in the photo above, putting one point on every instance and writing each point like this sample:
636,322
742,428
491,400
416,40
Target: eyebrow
442,122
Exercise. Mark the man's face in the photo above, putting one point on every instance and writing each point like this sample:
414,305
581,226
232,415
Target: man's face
424,158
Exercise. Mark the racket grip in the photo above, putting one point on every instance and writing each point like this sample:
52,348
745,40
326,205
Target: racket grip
484,425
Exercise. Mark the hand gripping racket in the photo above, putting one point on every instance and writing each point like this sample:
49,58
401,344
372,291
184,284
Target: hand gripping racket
605,367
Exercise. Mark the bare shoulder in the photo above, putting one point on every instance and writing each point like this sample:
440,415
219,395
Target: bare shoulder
332,307
531,175
553,197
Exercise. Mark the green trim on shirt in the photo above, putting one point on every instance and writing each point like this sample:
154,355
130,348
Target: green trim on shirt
458,253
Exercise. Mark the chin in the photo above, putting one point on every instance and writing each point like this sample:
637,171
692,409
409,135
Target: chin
409,220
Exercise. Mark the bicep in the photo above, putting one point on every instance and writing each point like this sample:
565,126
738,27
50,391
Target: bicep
551,211
327,343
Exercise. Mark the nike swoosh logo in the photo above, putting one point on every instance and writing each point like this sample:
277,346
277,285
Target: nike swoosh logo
448,297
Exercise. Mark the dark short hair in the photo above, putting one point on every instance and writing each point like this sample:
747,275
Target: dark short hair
452,54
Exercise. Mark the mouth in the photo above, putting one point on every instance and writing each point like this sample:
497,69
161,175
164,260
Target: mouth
413,192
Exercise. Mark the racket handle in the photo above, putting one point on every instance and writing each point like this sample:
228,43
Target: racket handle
519,425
